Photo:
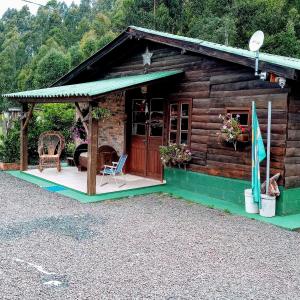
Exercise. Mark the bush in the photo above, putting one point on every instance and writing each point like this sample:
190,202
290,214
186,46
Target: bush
57,117
10,145
70,149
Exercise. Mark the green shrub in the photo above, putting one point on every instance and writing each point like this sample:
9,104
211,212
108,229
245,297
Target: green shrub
57,117
70,149
10,145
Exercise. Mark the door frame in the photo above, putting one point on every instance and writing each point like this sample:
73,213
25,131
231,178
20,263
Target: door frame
147,137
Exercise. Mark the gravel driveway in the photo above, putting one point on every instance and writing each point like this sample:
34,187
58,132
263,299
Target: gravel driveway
150,247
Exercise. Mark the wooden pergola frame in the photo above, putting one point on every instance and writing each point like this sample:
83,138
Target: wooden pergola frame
91,128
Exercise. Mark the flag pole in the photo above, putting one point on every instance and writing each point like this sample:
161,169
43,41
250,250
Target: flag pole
268,146
252,148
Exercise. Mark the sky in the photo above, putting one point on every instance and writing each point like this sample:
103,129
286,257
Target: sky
18,4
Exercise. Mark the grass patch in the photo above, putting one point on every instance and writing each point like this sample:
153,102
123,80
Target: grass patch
211,206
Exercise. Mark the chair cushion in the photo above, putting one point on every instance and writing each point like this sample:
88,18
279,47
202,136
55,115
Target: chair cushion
108,171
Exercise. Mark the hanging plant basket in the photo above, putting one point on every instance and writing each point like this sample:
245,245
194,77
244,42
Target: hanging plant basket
232,132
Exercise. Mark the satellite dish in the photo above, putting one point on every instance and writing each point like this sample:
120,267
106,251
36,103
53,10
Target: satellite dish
256,41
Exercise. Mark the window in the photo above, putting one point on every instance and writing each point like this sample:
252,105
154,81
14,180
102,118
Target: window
156,116
139,115
179,121
148,117
244,114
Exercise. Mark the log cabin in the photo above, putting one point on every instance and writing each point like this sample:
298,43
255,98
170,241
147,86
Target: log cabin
144,76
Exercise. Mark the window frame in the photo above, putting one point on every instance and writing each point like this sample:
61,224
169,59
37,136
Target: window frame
241,110
178,130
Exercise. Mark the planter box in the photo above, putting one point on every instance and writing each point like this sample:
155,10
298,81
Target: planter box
9,166
243,138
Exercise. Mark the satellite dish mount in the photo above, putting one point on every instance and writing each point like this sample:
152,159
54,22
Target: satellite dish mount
255,44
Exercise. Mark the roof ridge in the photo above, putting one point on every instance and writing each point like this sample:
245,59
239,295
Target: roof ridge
286,61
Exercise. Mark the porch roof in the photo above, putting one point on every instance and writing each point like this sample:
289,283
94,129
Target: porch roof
91,89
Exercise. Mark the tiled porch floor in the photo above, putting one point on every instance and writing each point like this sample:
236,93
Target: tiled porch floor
71,178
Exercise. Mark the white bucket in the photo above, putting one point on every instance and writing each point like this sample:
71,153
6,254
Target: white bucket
268,206
250,206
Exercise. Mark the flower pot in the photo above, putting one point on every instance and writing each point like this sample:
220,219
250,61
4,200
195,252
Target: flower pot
9,166
250,206
268,206
243,138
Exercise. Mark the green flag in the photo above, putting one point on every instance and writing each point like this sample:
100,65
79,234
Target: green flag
258,155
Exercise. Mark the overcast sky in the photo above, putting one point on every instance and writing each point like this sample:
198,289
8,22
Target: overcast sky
18,4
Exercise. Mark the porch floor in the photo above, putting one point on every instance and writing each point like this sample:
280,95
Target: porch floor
71,178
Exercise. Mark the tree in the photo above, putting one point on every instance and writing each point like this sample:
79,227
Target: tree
89,43
37,49
52,66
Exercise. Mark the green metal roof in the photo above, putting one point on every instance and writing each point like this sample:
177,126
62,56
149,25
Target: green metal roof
94,88
284,61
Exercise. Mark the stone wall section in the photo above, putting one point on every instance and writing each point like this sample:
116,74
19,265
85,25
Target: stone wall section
112,131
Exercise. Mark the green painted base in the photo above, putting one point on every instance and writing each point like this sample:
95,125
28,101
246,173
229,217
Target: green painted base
228,189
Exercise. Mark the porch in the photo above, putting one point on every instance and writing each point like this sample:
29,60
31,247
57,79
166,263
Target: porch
88,97
71,178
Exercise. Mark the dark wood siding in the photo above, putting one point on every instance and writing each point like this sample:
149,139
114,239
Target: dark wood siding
214,85
292,159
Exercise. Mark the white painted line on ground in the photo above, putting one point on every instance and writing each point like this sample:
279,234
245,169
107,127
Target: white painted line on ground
53,282
37,267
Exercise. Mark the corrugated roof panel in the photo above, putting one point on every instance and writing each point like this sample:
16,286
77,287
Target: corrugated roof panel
94,88
284,61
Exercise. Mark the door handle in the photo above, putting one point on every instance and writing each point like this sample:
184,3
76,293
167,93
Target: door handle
145,142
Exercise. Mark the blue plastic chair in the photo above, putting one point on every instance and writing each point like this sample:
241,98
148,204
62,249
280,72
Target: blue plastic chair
114,170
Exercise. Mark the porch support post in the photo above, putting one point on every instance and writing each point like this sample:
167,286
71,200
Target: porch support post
92,153
24,139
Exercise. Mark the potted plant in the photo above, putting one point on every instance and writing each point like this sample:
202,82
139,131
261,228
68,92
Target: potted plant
101,113
175,154
232,131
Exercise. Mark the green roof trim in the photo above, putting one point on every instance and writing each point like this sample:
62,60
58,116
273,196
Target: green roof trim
90,89
284,61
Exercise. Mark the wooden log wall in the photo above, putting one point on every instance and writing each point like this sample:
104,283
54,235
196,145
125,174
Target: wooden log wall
292,158
214,85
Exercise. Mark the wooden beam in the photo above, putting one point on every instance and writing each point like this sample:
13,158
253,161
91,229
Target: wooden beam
92,153
84,123
24,141
28,117
51,100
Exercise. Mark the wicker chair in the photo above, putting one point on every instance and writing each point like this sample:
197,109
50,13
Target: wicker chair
51,144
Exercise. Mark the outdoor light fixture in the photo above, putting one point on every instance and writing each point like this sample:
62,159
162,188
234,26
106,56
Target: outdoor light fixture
281,82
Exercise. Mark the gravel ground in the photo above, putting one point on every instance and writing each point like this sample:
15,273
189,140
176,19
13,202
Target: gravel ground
150,247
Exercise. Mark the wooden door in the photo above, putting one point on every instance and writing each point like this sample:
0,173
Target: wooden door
147,128
137,155
154,166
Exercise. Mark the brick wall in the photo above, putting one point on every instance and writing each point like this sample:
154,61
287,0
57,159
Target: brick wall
111,131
